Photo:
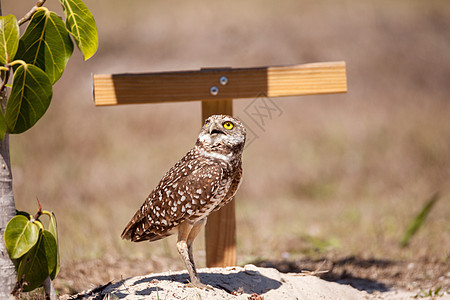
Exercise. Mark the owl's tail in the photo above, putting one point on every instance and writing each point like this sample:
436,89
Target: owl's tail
128,232
136,231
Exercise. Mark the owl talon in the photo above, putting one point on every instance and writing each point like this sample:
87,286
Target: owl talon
202,286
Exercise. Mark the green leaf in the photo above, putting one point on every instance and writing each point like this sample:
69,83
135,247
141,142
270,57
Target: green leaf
29,99
33,267
9,38
418,221
20,236
3,127
81,23
46,43
52,228
23,213
51,251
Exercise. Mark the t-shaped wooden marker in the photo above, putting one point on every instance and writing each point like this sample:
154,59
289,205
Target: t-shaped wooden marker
217,88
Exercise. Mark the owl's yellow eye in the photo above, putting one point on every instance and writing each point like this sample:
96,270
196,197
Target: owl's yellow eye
228,125
206,123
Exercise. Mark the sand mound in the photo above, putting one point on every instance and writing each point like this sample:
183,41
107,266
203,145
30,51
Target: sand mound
249,282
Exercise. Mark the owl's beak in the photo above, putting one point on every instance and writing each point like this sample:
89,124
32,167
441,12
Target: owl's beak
214,130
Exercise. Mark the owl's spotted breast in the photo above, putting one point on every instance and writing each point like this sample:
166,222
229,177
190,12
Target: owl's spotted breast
190,190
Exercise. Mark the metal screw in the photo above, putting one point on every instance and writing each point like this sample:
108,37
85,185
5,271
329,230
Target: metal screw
214,90
223,80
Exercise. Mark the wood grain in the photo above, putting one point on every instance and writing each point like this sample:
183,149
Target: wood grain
220,233
295,80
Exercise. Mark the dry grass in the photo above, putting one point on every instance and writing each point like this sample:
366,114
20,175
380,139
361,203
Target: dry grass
333,175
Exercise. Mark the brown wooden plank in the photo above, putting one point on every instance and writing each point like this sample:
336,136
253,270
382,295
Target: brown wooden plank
319,78
306,79
220,233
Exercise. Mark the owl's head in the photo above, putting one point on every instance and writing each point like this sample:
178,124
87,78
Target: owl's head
223,132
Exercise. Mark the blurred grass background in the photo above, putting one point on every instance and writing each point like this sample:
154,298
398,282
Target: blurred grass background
333,175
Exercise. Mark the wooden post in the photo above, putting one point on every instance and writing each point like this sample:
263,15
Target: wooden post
295,80
220,233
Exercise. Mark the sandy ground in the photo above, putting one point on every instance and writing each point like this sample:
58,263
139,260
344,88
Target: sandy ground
248,282
369,275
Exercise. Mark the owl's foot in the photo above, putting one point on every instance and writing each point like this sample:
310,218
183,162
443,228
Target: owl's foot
198,284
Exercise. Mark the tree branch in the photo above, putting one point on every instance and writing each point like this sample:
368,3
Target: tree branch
28,16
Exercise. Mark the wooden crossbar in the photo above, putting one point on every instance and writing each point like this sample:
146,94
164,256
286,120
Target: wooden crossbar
295,80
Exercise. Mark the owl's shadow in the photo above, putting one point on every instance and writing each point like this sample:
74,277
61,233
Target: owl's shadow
239,282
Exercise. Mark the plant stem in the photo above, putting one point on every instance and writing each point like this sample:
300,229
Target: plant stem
28,16
7,210
50,292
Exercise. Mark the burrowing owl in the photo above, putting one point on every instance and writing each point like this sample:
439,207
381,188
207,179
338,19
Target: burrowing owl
203,181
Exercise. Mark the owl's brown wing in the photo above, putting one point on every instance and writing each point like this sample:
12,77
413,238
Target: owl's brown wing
188,191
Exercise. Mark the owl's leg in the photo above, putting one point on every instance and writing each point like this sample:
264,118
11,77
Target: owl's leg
186,235
192,235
